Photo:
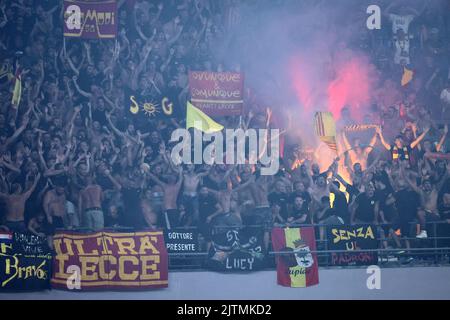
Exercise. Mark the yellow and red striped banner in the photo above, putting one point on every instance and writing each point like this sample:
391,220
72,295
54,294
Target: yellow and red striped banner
325,128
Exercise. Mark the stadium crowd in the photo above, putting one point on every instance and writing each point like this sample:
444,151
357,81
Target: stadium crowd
72,155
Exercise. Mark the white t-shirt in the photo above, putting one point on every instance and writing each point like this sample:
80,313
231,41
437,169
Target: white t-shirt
445,96
401,50
400,22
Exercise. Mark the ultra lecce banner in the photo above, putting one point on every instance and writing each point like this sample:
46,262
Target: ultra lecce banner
110,260
25,262
217,93
90,19
296,265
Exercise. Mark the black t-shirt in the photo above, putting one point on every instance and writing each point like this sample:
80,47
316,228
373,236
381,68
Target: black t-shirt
98,115
407,203
340,205
304,195
131,203
329,213
366,208
388,210
281,199
115,221
104,182
352,192
297,213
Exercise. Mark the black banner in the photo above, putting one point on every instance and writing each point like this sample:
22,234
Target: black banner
25,262
350,238
181,241
237,250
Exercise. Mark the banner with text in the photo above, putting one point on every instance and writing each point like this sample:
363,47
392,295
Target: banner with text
217,93
90,19
110,260
236,250
352,238
181,241
25,262
159,107
296,261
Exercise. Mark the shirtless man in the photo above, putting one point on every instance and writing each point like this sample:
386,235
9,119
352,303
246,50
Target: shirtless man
429,194
229,212
14,204
262,213
54,204
90,205
319,190
358,154
171,191
149,214
191,180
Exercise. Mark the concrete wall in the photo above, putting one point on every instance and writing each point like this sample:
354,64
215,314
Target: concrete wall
396,283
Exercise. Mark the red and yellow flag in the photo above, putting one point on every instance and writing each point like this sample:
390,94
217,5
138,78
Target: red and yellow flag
326,128
299,268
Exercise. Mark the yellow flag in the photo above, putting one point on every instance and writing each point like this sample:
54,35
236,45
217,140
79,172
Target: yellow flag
17,93
325,128
407,76
195,118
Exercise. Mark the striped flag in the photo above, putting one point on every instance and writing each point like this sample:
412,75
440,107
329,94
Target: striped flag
6,236
326,128
300,268
359,127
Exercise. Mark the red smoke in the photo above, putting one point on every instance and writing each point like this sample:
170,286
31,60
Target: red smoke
331,85
350,87
301,81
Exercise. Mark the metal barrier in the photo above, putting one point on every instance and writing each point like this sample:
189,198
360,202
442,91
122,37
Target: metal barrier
423,251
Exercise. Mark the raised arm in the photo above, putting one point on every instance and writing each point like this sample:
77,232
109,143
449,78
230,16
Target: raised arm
45,205
9,165
180,177
113,180
80,91
347,145
115,130
18,132
419,138
28,193
156,179
134,78
408,180
72,66
442,140
245,184
371,143
383,142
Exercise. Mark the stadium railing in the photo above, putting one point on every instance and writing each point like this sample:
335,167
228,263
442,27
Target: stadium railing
433,250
